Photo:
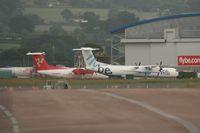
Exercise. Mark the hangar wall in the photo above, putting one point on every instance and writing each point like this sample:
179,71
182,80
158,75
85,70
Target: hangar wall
154,52
186,28
165,40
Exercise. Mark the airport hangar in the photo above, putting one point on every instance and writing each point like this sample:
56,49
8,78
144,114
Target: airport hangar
174,40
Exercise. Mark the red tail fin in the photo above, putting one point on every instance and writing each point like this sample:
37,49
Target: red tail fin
40,62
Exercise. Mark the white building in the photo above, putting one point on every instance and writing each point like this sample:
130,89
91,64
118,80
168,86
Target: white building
174,40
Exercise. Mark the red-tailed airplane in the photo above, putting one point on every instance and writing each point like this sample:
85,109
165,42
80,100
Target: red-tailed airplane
42,67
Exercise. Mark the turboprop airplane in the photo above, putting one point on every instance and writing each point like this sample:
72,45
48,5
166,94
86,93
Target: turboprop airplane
122,70
20,72
42,67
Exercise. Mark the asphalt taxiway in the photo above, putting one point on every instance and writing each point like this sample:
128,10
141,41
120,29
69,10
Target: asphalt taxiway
101,110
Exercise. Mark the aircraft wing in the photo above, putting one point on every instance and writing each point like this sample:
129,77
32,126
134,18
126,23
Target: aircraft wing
144,69
150,67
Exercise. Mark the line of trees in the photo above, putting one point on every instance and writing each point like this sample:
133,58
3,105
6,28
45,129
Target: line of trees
92,22
12,19
56,42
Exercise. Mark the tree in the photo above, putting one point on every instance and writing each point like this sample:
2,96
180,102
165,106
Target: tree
58,47
92,23
118,18
20,24
12,57
125,17
8,10
57,30
67,14
35,19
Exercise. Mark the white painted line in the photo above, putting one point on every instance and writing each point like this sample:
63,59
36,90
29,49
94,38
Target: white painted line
11,118
7,113
14,121
188,125
2,107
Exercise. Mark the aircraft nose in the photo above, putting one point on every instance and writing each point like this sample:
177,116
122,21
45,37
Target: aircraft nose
176,73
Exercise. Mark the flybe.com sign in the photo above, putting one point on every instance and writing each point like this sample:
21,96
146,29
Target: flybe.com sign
189,60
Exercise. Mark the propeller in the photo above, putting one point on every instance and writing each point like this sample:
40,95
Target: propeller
160,67
160,63
138,64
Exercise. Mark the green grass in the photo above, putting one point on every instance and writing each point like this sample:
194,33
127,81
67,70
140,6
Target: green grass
17,82
46,28
39,82
5,46
144,15
48,14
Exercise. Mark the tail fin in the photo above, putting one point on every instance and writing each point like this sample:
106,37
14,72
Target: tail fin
89,58
39,60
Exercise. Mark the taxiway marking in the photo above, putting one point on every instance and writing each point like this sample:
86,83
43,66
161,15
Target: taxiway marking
188,125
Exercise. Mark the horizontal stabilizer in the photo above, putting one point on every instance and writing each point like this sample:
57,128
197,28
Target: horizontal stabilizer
86,49
38,53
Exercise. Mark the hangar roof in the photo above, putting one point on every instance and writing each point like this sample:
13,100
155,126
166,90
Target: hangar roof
123,27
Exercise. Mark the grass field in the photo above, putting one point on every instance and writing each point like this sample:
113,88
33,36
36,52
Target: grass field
5,46
48,14
46,28
139,83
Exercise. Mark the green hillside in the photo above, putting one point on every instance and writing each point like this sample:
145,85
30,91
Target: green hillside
53,14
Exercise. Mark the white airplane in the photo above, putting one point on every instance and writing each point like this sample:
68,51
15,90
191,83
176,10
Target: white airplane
43,68
20,72
122,70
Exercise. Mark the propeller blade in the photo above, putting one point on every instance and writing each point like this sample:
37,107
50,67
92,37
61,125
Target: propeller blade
160,63
161,67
